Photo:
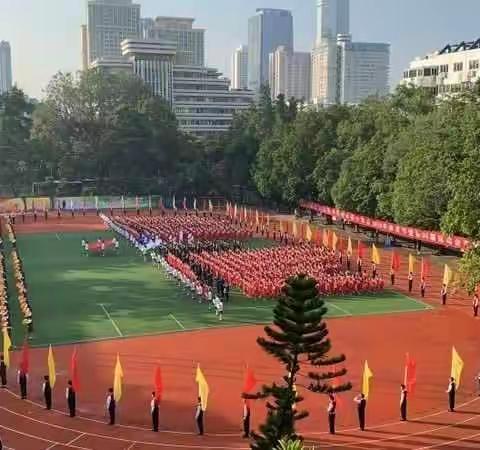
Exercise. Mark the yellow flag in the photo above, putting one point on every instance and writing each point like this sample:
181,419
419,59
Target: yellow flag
367,376
411,263
375,255
349,247
281,227
447,275
309,233
334,241
7,344
325,238
457,367
257,218
118,380
51,367
203,389
295,230
235,212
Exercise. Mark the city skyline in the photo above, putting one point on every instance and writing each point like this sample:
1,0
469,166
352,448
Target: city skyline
56,29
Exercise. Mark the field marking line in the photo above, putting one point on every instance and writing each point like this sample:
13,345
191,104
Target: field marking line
449,443
342,310
131,446
111,320
57,236
177,321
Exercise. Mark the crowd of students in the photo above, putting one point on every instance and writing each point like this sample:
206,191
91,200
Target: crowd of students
5,324
262,273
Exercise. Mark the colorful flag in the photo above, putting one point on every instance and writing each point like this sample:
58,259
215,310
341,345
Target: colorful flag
51,367
447,275
425,268
411,263
25,362
257,217
395,264
360,250
7,345
117,380
174,204
158,383
375,255
349,247
185,203
235,211
203,389
210,206
367,376
325,238
309,233
410,380
74,371
195,204
250,380
334,241
457,367
294,227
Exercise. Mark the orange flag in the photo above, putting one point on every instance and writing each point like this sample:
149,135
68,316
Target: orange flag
334,241
425,269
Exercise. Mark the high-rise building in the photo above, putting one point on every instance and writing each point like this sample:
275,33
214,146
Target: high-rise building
240,68
324,73
333,18
109,22
363,69
190,41
454,68
5,67
152,61
268,29
203,103
84,46
290,74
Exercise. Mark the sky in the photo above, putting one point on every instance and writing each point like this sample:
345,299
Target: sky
45,34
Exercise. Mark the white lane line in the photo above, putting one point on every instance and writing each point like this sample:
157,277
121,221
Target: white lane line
58,237
131,446
342,310
178,323
111,320
451,442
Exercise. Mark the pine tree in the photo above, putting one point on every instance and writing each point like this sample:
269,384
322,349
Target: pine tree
299,340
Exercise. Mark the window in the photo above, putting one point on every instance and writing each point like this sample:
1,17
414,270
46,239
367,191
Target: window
473,64
444,68
412,74
458,67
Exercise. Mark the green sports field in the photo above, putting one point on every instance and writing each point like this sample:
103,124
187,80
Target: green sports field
78,298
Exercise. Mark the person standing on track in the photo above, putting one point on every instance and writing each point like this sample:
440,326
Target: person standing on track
332,411
199,417
47,392
403,402
71,399
3,372
475,304
246,419
155,412
410,282
111,406
22,379
361,402
443,294
423,287
451,391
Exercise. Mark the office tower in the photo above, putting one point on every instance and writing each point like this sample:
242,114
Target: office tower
268,29
84,46
448,71
152,61
109,22
240,68
5,67
190,41
364,69
324,73
333,18
290,74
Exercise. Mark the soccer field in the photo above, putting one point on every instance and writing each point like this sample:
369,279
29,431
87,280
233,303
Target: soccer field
77,298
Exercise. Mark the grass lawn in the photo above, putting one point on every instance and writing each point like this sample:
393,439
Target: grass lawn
77,298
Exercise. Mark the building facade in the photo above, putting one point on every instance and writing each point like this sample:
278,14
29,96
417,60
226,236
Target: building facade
240,68
290,74
190,41
363,70
448,71
109,22
324,73
152,61
5,67
333,18
203,103
84,46
268,29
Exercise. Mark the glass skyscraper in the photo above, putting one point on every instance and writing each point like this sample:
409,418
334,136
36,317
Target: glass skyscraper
5,67
268,29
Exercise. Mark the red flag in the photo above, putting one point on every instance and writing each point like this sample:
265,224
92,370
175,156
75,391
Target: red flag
74,371
425,271
158,382
250,380
360,250
25,363
410,374
395,261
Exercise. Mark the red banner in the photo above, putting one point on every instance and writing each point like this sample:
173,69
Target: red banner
426,236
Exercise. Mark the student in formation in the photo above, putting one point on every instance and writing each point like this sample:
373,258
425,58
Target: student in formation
392,277
361,402
71,399
246,419
47,392
332,411
3,372
443,294
475,305
403,402
410,281
155,412
199,416
22,379
451,391
423,287
111,406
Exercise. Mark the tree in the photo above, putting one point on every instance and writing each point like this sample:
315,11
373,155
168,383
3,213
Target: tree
470,269
290,445
299,341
